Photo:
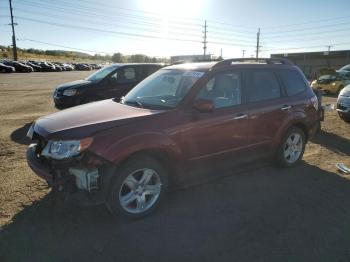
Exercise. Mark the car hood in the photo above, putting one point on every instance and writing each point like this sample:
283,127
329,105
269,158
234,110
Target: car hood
86,120
345,91
74,84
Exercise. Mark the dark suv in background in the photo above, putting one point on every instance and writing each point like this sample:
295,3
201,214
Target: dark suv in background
181,117
109,82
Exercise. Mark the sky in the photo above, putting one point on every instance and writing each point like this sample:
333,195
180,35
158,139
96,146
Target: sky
164,28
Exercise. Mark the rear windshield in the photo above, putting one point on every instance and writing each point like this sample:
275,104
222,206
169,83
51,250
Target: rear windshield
292,81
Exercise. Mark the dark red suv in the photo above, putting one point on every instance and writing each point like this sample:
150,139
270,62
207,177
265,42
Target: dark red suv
124,153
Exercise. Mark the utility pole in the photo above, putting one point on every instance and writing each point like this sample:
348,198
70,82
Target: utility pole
328,53
205,40
258,44
329,47
221,53
243,52
14,46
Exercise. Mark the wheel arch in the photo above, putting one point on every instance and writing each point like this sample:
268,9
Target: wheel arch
296,120
303,127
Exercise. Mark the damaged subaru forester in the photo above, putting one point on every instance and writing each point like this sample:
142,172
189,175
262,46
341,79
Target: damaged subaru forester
125,153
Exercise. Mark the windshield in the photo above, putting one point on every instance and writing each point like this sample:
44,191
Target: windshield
102,73
162,90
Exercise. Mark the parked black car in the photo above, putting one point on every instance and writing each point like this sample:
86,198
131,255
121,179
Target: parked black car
46,67
20,67
6,69
82,67
109,82
36,67
58,67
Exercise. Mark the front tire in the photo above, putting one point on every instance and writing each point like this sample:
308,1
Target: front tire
344,117
138,188
292,148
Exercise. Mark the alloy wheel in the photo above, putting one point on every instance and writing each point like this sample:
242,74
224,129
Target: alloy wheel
140,191
293,147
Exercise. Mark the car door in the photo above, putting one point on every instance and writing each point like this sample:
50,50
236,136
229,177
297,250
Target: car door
267,107
121,82
225,129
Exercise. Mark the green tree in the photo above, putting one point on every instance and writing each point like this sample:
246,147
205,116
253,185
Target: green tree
118,58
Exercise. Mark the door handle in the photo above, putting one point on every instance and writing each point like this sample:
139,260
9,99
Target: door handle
286,108
240,116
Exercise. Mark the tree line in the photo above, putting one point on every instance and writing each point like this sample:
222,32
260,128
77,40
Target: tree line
6,52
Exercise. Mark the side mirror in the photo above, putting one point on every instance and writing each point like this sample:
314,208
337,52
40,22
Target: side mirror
204,105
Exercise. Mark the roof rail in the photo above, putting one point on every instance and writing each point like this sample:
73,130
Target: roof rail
178,62
270,61
195,61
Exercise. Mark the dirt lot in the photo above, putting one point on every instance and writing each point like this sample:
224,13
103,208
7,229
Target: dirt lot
260,214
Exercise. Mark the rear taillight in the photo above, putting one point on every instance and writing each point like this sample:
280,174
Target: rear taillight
314,102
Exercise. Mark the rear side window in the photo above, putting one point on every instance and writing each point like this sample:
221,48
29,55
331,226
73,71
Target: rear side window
125,75
145,71
263,86
224,89
292,81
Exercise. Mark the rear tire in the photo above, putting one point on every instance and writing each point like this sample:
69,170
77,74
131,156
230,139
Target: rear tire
292,147
345,118
138,188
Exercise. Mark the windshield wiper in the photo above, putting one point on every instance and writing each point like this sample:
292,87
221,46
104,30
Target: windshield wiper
134,102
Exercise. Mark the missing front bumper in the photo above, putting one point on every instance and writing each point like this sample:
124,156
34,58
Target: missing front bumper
81,184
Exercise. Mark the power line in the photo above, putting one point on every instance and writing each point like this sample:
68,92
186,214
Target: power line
232,33
140,11
97,12
104,17
305,47
105,31
143,29
308,34
173,17
230,38
307,29
305,38
62,46
309,22
145,20
125,35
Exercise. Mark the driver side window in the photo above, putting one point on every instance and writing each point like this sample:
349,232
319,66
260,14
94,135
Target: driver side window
224,89
125,75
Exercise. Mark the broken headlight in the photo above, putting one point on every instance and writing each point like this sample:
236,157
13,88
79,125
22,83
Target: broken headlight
60,150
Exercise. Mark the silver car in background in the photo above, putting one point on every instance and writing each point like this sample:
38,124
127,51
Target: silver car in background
343,104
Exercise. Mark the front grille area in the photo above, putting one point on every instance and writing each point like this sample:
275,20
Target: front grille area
40,144
58,93
342,107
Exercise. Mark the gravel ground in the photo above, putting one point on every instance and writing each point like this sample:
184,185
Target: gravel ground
261,214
